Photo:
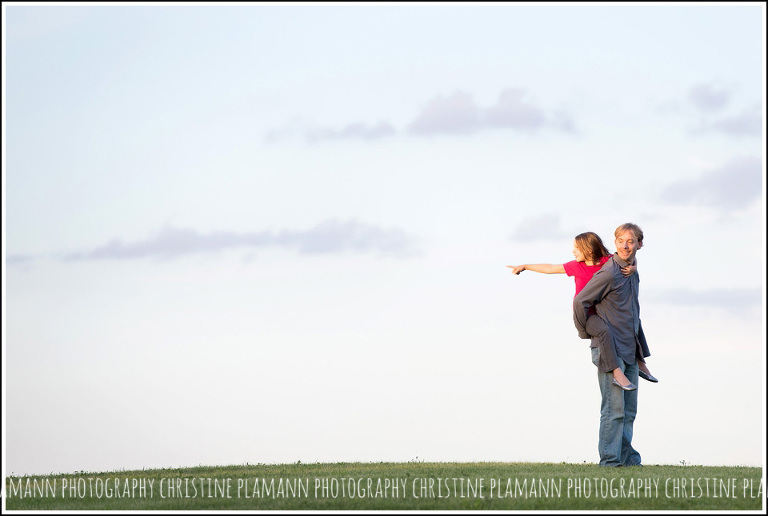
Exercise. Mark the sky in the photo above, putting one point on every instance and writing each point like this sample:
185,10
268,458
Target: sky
270,233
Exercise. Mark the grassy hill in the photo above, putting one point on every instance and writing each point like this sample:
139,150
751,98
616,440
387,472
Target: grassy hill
396,486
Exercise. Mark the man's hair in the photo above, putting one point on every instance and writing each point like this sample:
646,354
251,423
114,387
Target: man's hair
634,228
591,246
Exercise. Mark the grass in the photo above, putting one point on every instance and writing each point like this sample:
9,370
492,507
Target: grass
396,486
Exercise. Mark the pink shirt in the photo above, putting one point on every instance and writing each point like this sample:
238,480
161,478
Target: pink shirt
582,273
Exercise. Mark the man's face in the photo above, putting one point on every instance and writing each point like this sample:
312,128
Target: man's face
626,245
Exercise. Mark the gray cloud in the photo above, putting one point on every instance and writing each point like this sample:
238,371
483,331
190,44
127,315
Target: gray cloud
452,114
512,111
542,227
455,114
289,130
352,131
328,237
563,121
747,123
736,300
458,114
707,98
709,102
734,185
18,259
311,134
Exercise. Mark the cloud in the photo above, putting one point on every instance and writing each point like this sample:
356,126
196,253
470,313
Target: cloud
733,299
733,185
747,123
328,237
458,114
352,131
707,98
454,115
512,111
313,134
542,227
705,105
18,259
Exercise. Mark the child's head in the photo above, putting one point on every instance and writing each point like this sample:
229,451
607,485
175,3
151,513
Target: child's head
589,247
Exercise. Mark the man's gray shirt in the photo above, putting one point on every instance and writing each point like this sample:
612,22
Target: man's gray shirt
614,296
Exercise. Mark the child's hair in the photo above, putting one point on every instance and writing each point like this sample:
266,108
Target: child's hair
591,246
634,228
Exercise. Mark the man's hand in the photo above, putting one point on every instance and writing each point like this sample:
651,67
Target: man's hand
629,270
517,269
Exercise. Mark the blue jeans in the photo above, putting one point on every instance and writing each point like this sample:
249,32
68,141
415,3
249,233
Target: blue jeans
617,416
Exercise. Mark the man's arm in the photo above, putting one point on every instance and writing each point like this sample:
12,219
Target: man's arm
594,292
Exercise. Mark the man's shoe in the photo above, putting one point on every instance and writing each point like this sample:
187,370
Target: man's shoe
630,387
646,376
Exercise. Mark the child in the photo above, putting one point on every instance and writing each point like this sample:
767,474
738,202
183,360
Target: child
591,254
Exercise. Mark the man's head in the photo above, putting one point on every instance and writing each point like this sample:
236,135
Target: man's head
629,238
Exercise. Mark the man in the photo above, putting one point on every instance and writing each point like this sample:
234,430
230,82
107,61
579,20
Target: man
614,297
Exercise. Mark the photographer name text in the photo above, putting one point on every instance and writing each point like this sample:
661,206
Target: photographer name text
380,488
